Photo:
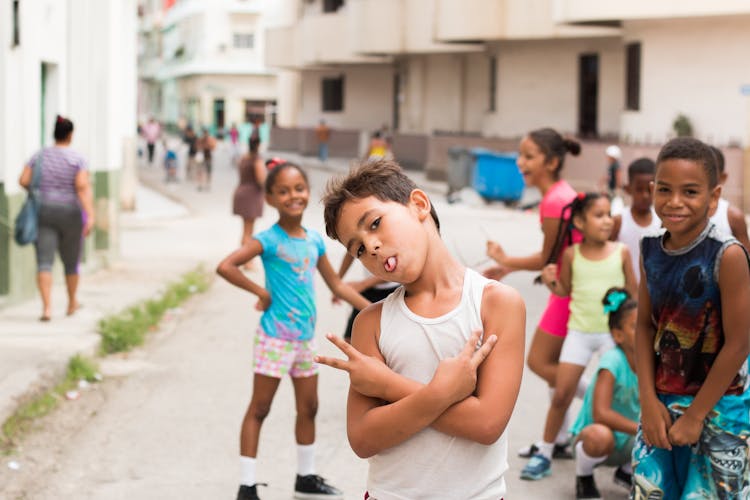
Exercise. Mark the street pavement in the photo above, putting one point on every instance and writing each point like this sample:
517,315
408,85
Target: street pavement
170,430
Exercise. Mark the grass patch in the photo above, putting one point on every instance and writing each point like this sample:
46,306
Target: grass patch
43,402
128,329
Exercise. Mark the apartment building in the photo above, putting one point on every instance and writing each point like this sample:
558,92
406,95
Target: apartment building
202,62
615,71
77,59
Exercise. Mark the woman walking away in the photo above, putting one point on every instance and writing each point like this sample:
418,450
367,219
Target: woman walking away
248,197
541,156
284,340
66,212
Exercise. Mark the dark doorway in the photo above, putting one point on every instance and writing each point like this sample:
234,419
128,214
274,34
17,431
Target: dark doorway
219,114
588,94
396,99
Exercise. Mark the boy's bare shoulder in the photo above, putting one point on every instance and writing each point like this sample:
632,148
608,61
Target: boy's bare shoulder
499,297
367,323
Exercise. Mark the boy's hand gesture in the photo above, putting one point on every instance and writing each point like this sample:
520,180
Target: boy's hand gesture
656,423
686,430
367,375
495,251
456,377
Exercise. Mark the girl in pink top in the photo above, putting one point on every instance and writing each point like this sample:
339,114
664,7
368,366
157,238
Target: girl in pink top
541,156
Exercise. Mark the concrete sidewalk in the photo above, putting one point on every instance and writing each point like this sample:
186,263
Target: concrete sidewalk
32,351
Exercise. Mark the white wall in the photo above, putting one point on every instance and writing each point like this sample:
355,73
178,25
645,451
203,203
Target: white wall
368,101
538,85
695,67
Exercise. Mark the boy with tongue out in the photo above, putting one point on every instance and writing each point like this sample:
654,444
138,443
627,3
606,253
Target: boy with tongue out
435,368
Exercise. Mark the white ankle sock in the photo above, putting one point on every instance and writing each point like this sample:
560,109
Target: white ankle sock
546,449
583,384
627,467
305,459
247,471
584,463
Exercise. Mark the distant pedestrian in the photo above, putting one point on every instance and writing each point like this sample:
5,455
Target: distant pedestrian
152,134
206,146
248,196
692,340
170,161
191,139
323,135
606,425
639,219
234,137
66,212
284,340
728,218
541,160
426,404
378,148
585,272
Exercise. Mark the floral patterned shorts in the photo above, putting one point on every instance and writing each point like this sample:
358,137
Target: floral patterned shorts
276,357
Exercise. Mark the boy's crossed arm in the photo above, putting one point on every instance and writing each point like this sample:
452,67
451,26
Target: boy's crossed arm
481,415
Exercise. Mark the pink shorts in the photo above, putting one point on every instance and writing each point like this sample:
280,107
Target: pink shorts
276,357
555,316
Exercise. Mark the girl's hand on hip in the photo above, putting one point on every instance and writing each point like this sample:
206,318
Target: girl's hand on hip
456,377
367,375
549,274
686,430
655,424
264,301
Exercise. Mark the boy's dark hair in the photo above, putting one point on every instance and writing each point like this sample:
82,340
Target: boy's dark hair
554,145
382,179
617,302
719,159
277,169
641,166
688,148
63,128
253,144
575,208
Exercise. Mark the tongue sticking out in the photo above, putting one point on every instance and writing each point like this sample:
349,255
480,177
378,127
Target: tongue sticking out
390,264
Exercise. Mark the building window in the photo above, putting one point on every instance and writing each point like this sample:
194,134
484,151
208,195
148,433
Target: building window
492,105
333,94
244,40
633,76
332,5
16,25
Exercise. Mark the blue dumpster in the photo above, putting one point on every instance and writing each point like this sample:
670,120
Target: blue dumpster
496,176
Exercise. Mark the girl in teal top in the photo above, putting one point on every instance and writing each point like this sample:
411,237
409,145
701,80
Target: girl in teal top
608,419
588,269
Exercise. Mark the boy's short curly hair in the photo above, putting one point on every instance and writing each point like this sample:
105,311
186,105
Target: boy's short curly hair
688,148
383,179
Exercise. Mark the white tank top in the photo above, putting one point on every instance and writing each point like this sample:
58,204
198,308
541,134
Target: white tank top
430,464
721,217
631,234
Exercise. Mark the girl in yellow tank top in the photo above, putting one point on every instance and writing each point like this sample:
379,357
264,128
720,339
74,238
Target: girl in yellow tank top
586,271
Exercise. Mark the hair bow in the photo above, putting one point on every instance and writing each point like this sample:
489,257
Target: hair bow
274,162
614,301
581,196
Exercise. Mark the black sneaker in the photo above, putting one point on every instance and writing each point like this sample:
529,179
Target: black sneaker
559,452
249,492
586,488
624,479
314,486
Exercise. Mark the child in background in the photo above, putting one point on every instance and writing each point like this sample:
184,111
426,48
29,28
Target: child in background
639,218
426,406
588,269
541,159
608,420
692,339
284,340
170,161
728,219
